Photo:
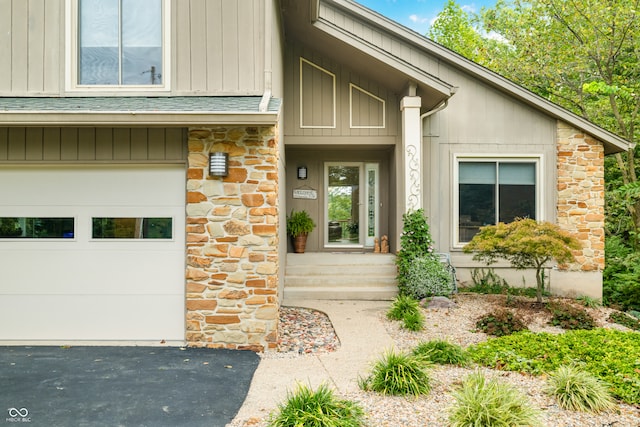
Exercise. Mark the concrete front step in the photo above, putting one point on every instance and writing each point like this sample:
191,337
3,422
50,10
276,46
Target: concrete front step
341,276
340,280
374,293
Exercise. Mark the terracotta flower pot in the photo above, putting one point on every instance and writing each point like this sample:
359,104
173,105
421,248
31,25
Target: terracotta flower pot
299,243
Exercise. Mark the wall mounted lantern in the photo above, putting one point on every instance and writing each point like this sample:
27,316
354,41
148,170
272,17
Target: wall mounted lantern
302,172
218,164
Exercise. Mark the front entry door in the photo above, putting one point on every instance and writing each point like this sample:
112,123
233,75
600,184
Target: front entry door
351,204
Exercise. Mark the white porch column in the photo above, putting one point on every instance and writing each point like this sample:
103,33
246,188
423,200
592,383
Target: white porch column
412,151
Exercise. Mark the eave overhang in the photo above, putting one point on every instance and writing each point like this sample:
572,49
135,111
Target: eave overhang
612,142
137,111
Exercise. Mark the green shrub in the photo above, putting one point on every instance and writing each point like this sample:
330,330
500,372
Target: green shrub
577,390
569,317
441,352
398,374
319,408
415,242
500,323
634,313
402,305
624,320
426,277
613,356
621,276
482,402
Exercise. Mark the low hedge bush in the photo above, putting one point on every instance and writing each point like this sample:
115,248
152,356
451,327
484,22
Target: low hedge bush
610,355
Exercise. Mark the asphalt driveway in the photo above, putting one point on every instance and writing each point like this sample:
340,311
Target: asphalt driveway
123,386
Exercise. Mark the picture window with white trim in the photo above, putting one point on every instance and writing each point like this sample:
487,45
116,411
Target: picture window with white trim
492,191
118,44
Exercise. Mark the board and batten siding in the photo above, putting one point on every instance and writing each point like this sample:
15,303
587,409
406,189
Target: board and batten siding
18,144
31,47
481,121
217,47
326,99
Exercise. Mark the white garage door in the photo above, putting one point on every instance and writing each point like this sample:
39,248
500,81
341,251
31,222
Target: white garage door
92,253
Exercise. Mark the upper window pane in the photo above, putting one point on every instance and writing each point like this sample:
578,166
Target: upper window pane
36,228
132,228
120,42
494,191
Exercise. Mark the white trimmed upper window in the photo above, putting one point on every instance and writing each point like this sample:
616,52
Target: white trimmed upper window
489,191
118,44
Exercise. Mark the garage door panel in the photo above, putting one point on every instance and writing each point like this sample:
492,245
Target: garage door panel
123,185
92,317
89,272
82,288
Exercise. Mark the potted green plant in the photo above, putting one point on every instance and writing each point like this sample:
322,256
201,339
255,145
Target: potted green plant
299,225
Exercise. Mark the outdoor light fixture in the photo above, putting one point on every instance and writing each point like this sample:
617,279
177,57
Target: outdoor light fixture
302,172
218,164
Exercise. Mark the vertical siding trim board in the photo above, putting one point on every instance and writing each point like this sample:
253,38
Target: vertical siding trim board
316,98
370,115
580,186
232,240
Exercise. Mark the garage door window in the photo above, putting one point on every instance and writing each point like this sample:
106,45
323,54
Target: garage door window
132,228
36,228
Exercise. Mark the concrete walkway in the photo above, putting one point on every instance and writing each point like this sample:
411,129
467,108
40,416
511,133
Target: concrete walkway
362,336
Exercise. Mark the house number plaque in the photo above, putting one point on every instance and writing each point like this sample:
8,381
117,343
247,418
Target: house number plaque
305,194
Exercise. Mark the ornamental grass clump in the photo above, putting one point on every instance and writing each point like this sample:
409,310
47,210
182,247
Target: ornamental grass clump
398,374
402,305
407,310
578,390
319,408
441,352
487,402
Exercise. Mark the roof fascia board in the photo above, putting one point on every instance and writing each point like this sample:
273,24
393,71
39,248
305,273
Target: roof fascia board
411,71
482,73
178,119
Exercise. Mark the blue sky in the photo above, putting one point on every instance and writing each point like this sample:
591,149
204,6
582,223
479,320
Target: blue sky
418,14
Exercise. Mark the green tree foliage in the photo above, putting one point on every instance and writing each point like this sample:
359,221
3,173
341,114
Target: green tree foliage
454,28
525,243
581,54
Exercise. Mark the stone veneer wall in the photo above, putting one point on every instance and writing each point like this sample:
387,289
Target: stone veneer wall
580,205
232,240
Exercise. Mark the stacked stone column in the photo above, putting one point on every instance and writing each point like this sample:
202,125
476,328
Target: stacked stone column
581,195
232,240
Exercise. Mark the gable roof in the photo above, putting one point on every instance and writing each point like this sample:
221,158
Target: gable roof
325,20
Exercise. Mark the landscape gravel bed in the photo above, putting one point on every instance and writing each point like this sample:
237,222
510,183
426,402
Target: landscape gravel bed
309,332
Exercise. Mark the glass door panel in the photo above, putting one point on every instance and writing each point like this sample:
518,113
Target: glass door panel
343,183
372,197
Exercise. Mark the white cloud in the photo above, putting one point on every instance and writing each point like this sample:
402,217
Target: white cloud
416,19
